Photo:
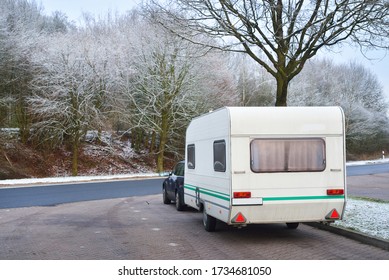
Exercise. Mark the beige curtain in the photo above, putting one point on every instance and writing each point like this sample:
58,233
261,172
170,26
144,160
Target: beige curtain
287,155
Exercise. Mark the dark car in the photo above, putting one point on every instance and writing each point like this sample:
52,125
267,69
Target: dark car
173,186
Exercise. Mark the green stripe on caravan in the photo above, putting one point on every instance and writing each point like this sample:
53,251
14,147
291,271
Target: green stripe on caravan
226,197
216,194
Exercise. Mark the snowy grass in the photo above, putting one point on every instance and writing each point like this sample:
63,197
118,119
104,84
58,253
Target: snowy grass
373,161
70,179
366,216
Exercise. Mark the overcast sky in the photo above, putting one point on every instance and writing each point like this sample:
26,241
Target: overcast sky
74,9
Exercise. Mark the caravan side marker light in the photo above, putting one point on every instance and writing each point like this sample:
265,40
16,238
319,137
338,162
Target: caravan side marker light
242,194
239,218
333,215
335,192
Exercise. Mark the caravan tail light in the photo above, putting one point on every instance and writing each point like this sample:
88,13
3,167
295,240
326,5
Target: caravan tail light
335,192
242,194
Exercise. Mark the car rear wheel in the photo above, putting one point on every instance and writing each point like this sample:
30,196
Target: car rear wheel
209,222
165,198
179,202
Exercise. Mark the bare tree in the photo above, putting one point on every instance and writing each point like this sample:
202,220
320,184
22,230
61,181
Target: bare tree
68,88
172,81
22,26
280,36
20,23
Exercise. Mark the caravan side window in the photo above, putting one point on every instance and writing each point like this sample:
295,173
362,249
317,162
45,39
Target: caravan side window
219,156
288,155
191,156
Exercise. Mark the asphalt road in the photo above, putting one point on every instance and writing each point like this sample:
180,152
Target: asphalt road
375,186
371,181
59,194
368,169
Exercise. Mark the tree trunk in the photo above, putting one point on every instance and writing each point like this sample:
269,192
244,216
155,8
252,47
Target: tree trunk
282,90
75,158
163,139
22,120
152,144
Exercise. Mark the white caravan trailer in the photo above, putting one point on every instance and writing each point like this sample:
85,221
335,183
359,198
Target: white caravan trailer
251,165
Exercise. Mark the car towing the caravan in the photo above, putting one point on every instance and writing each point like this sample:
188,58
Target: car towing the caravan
253,165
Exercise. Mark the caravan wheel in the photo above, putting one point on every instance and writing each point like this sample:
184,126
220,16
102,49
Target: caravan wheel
292,225
209,222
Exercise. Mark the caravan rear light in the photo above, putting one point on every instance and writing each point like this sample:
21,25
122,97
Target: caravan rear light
335,192
242,194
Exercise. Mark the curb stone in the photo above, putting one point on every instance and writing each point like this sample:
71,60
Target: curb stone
358,236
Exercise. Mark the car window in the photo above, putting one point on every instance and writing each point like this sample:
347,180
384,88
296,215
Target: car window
179,169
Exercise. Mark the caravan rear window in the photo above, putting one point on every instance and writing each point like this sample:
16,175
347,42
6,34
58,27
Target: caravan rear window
288,155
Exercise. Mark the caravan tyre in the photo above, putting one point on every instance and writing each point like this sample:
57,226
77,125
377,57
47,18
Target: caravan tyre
209,222
292,225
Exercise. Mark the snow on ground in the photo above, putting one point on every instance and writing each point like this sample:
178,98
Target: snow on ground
366,216
59,180
376,161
